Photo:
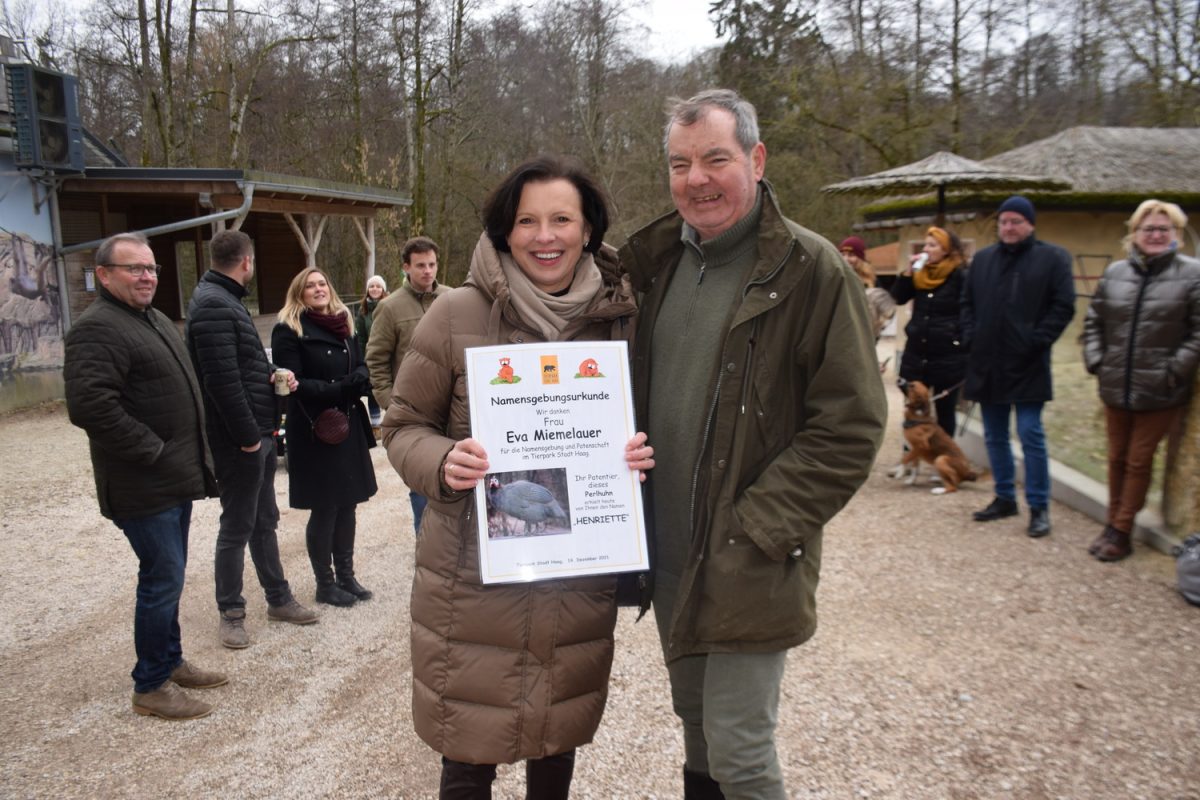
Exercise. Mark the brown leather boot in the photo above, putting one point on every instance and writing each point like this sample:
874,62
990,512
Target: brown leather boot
1116,548
1099,541
232,630
169,702
190,677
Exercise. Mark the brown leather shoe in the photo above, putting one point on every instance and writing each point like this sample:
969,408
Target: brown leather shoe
169,702
292,612
1116,548
190,677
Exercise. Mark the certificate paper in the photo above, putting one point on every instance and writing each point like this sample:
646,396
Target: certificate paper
560,501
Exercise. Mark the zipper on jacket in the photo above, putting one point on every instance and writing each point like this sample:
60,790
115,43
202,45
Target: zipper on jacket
703,445
1137,312
749,361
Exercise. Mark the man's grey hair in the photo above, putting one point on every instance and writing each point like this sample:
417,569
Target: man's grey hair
692,110
104,252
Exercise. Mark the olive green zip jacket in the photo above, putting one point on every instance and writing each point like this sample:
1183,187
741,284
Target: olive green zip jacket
797,415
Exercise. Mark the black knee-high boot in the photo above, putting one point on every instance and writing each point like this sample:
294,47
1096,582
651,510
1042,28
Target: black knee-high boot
319,538
343,553
461,781
549,778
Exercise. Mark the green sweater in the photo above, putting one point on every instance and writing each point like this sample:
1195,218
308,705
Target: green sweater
683,368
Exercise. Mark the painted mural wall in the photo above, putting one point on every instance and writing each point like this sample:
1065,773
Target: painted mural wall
31,326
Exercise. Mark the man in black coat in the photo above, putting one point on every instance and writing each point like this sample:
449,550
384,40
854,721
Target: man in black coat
239,400
130,386
1018,298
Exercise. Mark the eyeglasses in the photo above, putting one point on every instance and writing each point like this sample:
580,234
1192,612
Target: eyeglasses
137,270
1155,229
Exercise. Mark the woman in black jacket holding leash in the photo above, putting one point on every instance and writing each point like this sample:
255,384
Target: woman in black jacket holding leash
315,339
933,351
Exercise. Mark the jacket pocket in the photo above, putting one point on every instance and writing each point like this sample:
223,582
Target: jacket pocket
746,595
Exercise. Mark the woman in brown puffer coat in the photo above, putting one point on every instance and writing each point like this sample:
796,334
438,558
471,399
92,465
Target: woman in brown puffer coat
1141,338
503,673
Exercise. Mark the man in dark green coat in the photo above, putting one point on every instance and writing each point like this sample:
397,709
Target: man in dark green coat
129,384
755,373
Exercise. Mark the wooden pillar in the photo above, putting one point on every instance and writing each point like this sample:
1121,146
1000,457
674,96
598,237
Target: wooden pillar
1181,486
310,237
367,235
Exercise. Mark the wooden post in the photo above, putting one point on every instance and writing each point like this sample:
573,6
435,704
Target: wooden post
1181,485
367,236
310,237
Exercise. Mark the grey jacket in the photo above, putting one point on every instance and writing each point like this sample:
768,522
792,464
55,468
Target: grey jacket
1141,335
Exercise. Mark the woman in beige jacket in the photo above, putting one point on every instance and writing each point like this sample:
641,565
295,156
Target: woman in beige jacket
503,673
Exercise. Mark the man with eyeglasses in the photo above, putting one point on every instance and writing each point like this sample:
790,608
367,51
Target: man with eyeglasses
239,399
130,386
1018,298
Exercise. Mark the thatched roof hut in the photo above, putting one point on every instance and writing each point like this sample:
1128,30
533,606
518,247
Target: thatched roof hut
1110,170
1145,161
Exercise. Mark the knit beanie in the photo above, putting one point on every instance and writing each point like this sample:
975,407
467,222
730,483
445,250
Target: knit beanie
854,245
1018,205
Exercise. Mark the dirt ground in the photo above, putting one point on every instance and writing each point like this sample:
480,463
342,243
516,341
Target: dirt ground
954,660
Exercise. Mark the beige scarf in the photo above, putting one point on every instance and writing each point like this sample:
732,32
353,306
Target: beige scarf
545,312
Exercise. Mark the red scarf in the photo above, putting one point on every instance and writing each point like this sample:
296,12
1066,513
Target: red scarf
337,324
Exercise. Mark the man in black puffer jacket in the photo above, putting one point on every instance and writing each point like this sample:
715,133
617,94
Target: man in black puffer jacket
130,386
239,401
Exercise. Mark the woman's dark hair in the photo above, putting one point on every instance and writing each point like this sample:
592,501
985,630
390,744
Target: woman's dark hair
500,209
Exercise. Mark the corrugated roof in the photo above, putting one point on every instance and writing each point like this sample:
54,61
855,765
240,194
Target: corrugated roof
266,184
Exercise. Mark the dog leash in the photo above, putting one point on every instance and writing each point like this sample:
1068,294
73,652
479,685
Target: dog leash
940,395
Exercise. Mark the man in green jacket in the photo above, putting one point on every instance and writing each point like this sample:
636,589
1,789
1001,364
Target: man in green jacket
130,385
756,376
396,318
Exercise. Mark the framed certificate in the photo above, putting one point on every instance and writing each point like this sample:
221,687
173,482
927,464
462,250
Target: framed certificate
559,501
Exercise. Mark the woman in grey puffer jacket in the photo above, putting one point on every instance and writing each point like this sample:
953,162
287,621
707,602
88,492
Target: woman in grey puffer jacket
1141,337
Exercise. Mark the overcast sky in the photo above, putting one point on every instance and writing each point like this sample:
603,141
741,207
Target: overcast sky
678,28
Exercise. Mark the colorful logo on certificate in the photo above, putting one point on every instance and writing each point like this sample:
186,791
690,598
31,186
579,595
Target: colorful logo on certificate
506,374
589,368
549,369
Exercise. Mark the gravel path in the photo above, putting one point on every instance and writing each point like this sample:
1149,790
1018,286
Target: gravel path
954,660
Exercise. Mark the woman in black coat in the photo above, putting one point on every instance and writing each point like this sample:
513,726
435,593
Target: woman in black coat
314,338
933,352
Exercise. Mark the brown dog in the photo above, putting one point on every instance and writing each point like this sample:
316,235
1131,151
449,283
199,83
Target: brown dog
928,442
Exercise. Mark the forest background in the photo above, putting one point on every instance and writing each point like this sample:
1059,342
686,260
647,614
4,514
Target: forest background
439,98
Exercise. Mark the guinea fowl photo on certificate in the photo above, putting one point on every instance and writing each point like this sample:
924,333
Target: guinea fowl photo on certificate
559,500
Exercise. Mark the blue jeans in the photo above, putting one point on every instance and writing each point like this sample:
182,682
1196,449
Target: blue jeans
418,506
729,706
160,542
1033,443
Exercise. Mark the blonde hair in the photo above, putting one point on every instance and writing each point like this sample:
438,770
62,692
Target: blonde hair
1152,206
293,305
865,272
